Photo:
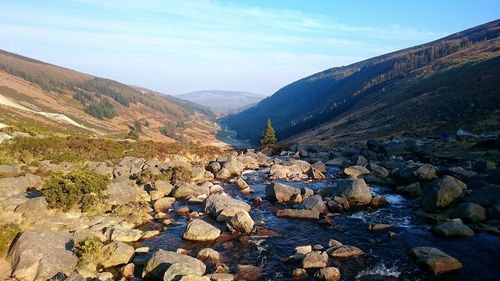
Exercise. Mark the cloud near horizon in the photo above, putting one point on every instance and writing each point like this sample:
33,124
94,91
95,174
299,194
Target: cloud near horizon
182,46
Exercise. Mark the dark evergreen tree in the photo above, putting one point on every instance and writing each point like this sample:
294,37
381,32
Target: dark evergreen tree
269,135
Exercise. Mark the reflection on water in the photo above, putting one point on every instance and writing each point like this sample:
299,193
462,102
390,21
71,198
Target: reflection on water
386,255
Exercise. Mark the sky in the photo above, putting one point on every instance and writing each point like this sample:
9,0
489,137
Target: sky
256,46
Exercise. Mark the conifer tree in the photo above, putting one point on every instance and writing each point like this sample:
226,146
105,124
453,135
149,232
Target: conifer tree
269,135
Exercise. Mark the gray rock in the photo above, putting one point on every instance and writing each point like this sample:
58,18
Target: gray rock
435,260
470,212
453,228
484,165
208,256
346,251
223,174
304,166
442,192
177,270
223,207
494,212
315,260
315,174
485,196
123,191
242,222
16,185
339,161
355,191
163,186
39,255
160,261
314,202
298,214
328,274
116,253
214,167
199,230
33,208
184,190
164,203
413,189
378,171
120,233
278,192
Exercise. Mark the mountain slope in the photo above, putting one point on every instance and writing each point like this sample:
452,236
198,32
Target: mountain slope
61,100
338,95
223,101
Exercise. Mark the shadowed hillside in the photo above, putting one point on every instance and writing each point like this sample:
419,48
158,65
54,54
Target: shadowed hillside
386,85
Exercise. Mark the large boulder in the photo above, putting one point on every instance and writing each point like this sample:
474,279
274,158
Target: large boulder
199,230
116,253
184,190
163,186
242,222
415,172
160,261
33,208
453,228
278,171
442,192
413,189
16,185
163,204
39,255
435,260
470,212
304,165
128,166
314,202
378,171
279,192
120,233
223,207
315,260
122,191
338,161
181,271
355,191
234,166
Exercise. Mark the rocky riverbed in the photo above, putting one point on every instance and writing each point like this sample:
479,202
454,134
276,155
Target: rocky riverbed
376,210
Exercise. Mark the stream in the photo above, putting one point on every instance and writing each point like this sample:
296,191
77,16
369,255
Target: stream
386,251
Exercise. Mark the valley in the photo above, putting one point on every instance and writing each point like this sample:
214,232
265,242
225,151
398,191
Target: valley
383,169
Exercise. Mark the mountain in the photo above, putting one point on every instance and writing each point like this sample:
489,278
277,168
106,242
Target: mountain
450,83
64,101
223,101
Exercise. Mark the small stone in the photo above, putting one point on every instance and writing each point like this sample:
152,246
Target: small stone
150,234
347,251
299,274
249,272
328,274
208,256
127,270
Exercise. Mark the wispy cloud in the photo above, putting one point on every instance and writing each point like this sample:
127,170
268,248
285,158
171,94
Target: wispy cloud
182,40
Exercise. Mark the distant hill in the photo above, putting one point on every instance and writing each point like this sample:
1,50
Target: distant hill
451,83
223,101
62,100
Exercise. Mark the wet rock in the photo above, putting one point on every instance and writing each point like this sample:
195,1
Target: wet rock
378,201
199,230
328,274
485,196
241,184
301,251
332,243
315,174
164,203
223,207
360,161
470,212
116,253
314,202
453,228
356,171
355,191
298,214
413,189
178,271
150,234
249,272
162,260
304,165
242,222
442,192
315,260
278,192
39,255
347,251
435,260
208,256
378,226
415,172
299,274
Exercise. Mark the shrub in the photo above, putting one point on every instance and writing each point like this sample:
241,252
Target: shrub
7,234
178,174
80,189
89,251
133,135
101,110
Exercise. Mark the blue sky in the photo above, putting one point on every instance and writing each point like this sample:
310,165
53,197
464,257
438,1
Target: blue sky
257,46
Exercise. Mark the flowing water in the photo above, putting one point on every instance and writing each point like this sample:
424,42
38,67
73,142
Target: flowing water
386,255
